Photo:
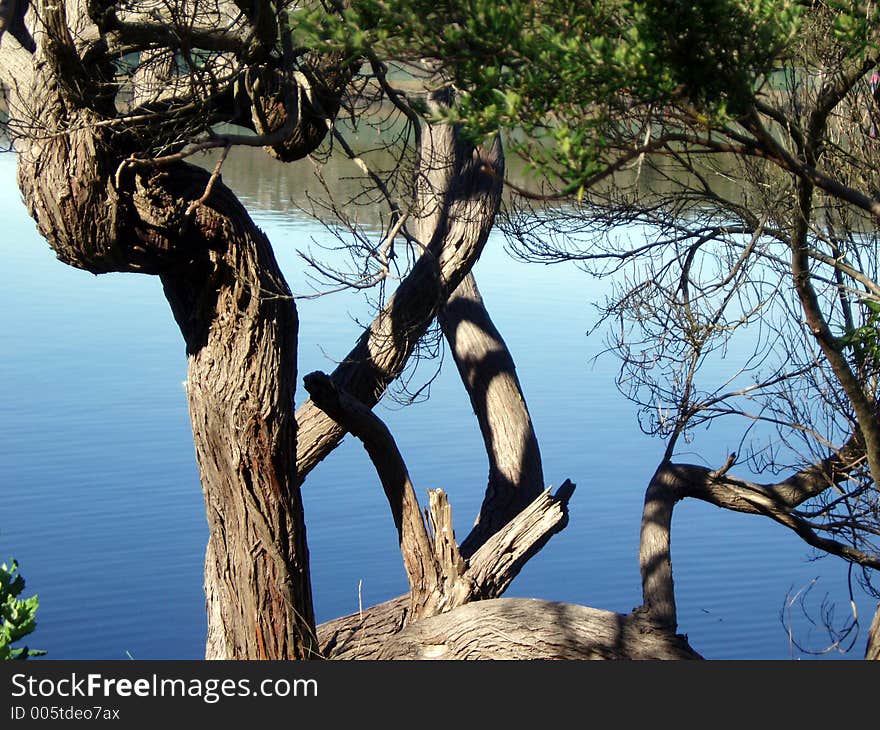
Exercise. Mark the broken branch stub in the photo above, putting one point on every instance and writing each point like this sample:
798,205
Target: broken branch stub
440,578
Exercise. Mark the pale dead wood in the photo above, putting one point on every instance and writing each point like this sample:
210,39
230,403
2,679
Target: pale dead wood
440,579
506,628
499,560
423,570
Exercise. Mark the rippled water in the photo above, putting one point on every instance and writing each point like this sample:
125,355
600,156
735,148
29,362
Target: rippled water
100,499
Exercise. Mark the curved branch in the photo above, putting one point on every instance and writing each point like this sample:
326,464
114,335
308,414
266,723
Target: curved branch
674,482
239,323
488,372
810,175
134,35
466,213
422,568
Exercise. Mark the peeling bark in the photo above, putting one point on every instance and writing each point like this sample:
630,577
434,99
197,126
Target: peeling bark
241,332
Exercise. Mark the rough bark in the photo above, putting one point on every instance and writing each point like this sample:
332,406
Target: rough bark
488,372
465,199
240,327
236,315
313,103
492,568
487,574
505,628
239,323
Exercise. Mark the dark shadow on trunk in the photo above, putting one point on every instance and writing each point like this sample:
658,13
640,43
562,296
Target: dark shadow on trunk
488,372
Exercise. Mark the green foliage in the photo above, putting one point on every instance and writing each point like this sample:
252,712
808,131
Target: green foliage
17,616
567,67
717,50
854,25
865,340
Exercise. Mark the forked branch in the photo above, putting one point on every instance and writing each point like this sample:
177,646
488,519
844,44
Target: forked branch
674,482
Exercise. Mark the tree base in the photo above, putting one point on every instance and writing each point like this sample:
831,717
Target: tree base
501,628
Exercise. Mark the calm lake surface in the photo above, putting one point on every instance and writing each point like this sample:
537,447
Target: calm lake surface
101,502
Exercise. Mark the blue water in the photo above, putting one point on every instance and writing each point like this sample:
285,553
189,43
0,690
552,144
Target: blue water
101,504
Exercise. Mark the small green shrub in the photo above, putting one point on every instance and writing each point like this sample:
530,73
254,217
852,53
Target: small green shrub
17,616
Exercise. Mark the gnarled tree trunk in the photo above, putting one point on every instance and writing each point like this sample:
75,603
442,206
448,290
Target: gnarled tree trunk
92,181
234,310
240,325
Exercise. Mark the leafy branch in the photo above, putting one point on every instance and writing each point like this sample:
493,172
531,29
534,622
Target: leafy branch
17,616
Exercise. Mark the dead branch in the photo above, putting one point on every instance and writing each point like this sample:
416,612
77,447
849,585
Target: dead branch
424,570
440,579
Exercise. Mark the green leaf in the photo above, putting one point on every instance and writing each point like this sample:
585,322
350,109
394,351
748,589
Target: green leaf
17,616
